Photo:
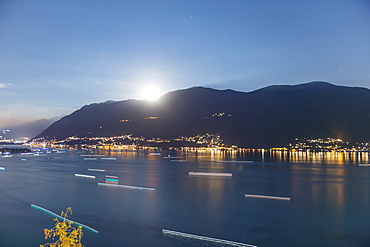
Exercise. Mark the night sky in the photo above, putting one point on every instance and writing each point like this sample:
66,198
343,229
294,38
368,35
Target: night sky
58,55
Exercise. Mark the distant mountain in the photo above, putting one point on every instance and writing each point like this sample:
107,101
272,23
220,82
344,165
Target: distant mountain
271,116
27,129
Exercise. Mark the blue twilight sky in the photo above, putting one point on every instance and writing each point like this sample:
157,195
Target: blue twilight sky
58,55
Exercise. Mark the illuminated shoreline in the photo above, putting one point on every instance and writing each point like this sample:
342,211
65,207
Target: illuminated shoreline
239,155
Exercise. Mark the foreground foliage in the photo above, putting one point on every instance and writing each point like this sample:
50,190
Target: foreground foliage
64,233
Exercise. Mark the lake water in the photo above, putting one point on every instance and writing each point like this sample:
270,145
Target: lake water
329,198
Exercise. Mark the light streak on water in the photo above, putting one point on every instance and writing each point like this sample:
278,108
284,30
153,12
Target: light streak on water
109,158
96,170
23,154
363,164
2,168
268,197
125,186
108,176
111,179
223,174
92,155
216,240
37,154
60,217
85,176
234,161
172,157
90,158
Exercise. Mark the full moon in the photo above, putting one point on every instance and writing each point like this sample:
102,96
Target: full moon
151,93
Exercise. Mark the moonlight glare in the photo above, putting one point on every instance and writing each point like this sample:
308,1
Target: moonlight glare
151,92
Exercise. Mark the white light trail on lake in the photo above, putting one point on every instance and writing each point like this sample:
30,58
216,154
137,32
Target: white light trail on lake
96,170
125,186
268,197
83,175
92,155
223,174
155,154
216,240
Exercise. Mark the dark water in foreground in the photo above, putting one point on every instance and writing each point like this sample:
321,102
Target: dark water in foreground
329,206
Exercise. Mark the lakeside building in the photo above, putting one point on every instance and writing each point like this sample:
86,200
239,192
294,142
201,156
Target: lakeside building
202,142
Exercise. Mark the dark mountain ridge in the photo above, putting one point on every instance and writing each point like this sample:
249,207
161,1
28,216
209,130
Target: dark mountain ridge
271,116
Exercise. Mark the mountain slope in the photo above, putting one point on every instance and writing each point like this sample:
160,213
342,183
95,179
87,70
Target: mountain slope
271,116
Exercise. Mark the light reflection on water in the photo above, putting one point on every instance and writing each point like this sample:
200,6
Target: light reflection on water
329,198
262,155
320,157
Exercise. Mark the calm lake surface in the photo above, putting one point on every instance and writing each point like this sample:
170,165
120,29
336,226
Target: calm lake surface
329,198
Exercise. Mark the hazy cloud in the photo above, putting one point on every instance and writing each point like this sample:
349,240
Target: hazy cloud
5,85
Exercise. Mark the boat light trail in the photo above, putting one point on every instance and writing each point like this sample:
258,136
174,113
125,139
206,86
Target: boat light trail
268,197
85,176
60,217
223,174
111,179
108,176
92,155
363,164
234,161
172,157
2,168
109,158
96,170
125,186
90,158
216,240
